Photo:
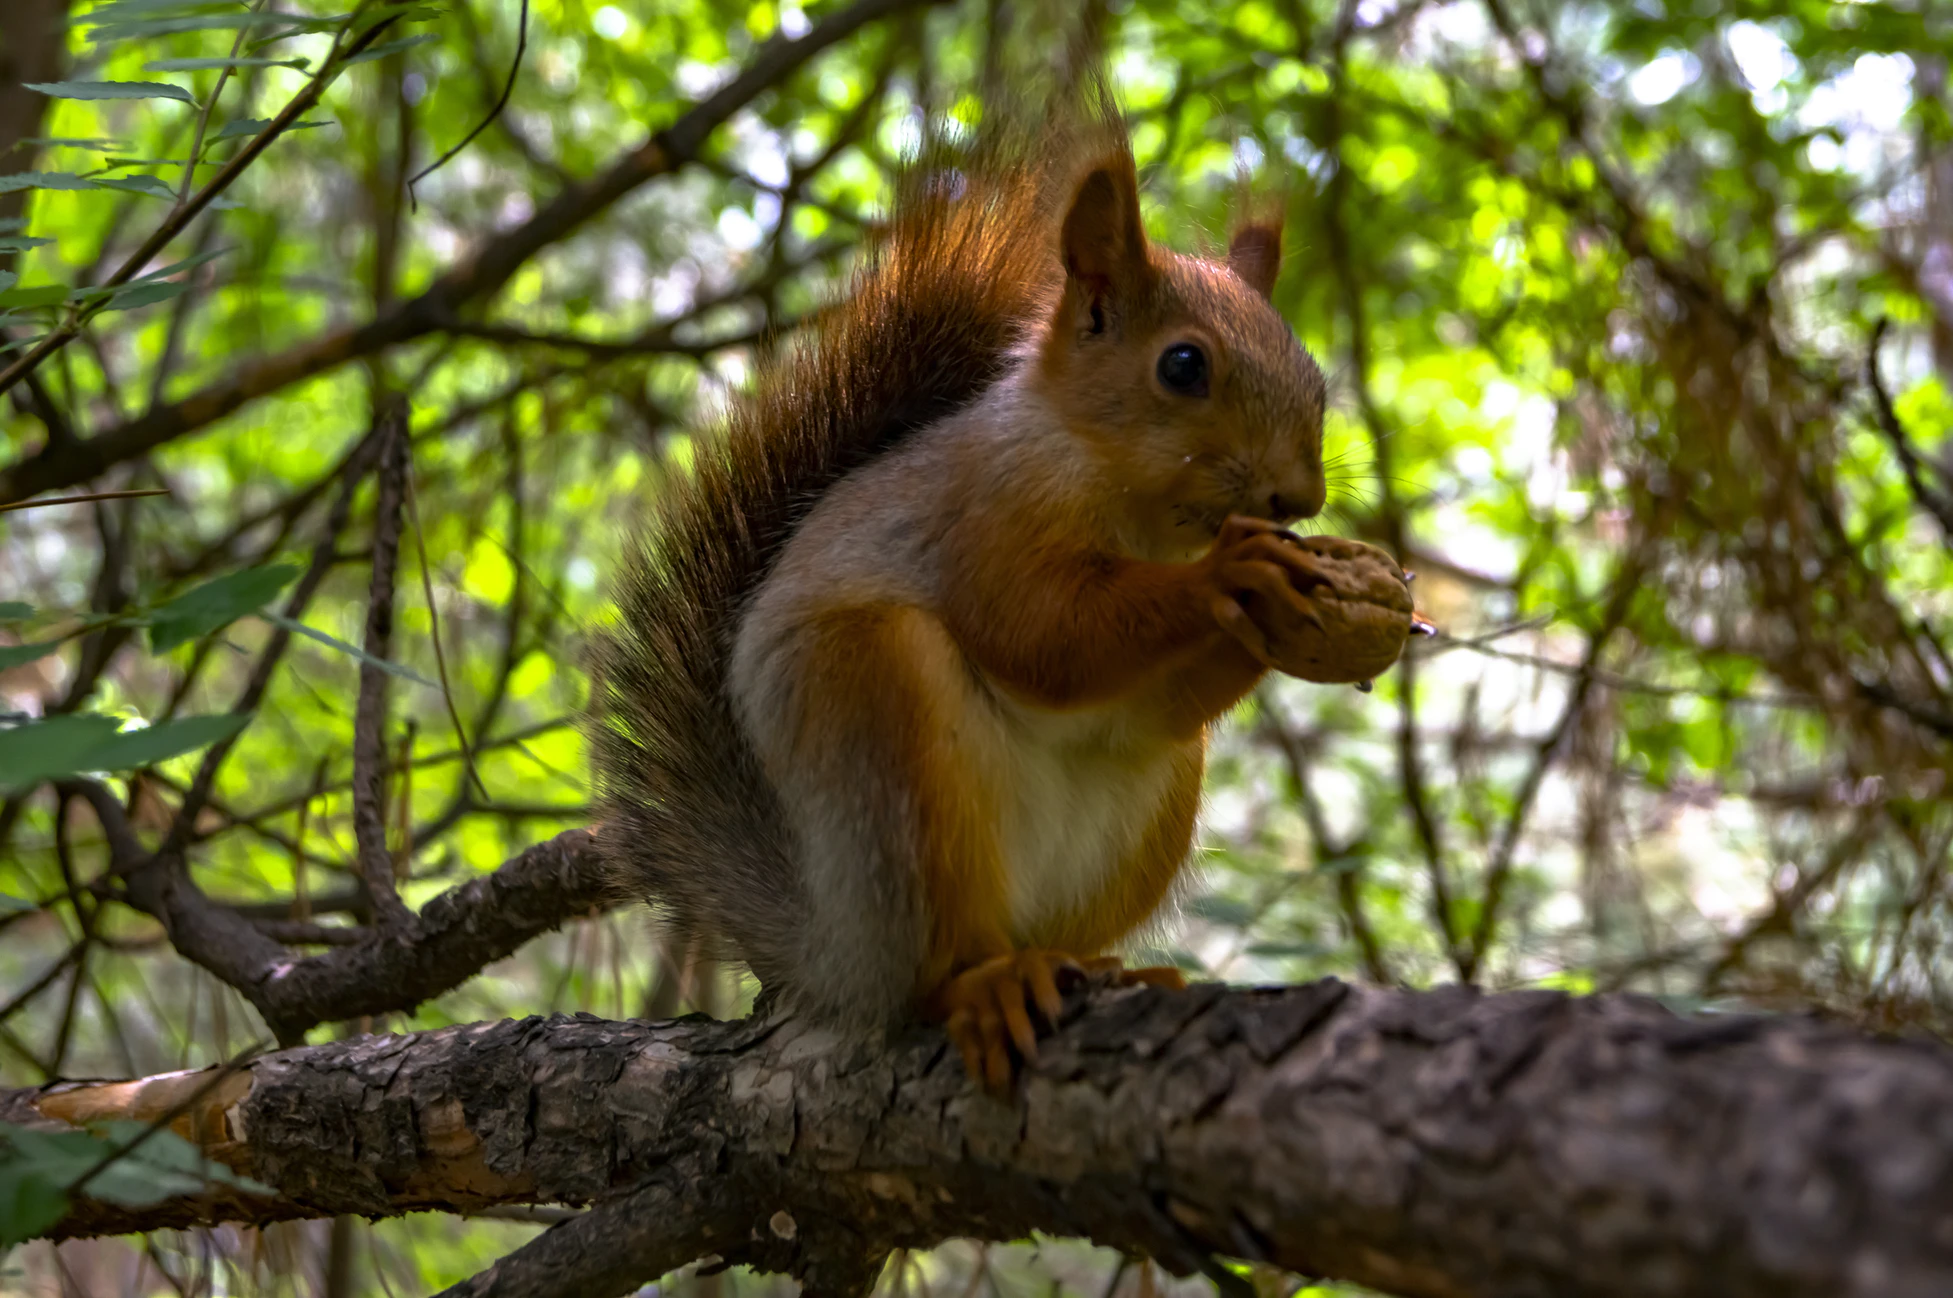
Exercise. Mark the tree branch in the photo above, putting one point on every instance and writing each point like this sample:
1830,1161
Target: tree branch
455,935
370,716
1441,1143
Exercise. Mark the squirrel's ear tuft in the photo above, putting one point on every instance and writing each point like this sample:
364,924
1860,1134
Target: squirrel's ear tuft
1255,254
1103,243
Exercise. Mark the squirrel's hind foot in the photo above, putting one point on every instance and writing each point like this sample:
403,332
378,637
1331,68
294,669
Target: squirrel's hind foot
986,1008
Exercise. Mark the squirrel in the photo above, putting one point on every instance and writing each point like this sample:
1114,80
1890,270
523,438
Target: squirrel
906,701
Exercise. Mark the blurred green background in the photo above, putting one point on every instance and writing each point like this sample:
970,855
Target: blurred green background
1640,323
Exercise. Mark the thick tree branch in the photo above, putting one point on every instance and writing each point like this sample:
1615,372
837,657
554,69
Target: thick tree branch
473,279
1440,1143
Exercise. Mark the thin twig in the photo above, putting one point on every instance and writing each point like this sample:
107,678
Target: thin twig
1625,585
84,499
1938,503
521,45
203,116
434,631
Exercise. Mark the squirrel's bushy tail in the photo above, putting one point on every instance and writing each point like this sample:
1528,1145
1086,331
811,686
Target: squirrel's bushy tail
948,290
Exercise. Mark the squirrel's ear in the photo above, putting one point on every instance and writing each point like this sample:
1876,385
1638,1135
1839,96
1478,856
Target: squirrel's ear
1255,254
1103,243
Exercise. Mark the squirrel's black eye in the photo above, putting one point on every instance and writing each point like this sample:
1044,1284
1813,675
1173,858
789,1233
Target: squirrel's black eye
1183,368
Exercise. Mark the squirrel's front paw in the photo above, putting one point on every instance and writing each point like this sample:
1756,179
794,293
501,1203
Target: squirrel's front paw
1318,607
985,1010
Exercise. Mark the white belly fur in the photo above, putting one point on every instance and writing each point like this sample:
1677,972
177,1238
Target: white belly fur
1076,797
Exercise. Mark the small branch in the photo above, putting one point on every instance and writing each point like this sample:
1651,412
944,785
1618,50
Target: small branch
1936,502
1625,585
617,1247
370,716
84,499
456,934
521,47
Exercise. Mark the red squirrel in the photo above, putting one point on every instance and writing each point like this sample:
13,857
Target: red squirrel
906,701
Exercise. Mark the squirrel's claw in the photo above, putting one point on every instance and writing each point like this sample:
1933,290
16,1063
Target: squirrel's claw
985,1010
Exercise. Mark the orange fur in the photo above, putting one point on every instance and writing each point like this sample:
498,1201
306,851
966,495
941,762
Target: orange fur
885,680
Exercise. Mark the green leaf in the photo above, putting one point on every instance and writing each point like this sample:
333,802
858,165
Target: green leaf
131,749
1222,910
52,747
112,90
16,655
70,745
43,180
299,628
203,65
31,1202
21,242
7,279
128,299
390,47
216,604
66,142
151,185
209,22
166,1152
178,267
12,610
252,125
38,295
118,10
144,1167
15,905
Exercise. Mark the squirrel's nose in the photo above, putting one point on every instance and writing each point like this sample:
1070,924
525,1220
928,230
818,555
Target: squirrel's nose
1285,505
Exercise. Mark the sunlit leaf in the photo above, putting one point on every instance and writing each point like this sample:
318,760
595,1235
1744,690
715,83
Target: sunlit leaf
56,746
73,744
37,295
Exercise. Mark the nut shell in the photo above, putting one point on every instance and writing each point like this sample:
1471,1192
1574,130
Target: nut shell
1365,613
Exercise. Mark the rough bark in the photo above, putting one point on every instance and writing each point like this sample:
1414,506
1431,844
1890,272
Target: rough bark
1441,1143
